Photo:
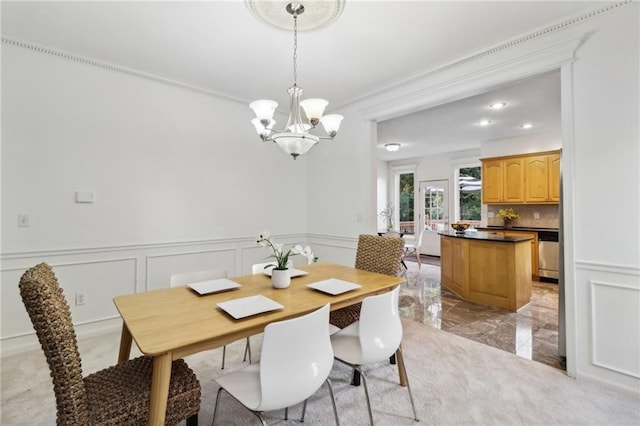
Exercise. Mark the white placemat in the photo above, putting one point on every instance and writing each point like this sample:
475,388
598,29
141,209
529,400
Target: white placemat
213,286
334,286
247,306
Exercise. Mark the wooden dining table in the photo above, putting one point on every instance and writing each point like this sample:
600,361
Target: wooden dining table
172,323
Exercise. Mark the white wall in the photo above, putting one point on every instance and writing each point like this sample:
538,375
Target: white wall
165,163
535,142
382,190
181,182
342,189
606,194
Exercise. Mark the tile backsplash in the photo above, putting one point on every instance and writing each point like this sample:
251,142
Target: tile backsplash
548,215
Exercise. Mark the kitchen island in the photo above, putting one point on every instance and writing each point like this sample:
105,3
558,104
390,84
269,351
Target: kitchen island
486,268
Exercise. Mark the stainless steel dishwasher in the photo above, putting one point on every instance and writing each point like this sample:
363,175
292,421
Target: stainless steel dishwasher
548,255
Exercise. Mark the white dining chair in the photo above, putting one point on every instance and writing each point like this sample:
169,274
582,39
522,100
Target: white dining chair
374,338
414,247
185,278
295,361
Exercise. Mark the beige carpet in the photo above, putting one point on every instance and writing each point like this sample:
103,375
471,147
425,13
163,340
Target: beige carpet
455,381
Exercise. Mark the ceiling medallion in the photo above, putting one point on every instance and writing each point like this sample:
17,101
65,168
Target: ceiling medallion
317,13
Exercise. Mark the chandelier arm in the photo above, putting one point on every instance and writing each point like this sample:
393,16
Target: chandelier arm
327,138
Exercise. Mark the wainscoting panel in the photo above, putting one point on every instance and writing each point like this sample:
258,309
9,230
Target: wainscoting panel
616,351
608,324
101,273
340,250
160,267
98,281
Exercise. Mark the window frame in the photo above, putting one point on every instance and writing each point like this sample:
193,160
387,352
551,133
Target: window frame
394,195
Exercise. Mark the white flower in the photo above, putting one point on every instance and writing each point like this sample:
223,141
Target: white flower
306,252
282,256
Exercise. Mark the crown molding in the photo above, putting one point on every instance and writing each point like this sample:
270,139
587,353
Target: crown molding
368,101
542,50
50,51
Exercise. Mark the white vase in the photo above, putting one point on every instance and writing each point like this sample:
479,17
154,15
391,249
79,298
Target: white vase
280,278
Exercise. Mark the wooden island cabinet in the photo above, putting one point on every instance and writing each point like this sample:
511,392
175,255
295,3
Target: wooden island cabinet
486,268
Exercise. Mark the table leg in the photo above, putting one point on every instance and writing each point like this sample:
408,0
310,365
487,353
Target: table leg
125,344
400,362
159,389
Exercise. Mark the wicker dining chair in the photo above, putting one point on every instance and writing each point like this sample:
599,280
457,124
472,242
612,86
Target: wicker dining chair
118,395
375,254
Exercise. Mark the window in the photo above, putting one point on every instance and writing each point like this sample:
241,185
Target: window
469,194
435,204
403,196
405,189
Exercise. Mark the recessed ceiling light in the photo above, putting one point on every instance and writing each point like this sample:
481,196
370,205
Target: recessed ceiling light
526,125
485,122
392,147
498,105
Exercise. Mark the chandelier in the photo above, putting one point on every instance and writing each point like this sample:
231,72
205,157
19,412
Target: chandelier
295,138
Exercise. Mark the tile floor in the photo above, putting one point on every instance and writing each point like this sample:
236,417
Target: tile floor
531,333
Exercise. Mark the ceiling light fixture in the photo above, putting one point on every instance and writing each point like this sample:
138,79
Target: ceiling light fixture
392,147
295,138
526,125
498,105
485,122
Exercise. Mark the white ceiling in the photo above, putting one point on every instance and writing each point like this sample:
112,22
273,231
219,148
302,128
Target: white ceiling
220,47
454,126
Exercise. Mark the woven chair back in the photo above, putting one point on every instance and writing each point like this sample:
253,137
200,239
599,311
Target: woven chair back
374,254
380,254
51,318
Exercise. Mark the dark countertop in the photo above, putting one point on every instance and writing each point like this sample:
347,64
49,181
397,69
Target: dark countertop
484,236
517,228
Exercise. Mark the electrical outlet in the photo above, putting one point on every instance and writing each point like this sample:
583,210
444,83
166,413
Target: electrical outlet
80,299
490,215
359,218
536,215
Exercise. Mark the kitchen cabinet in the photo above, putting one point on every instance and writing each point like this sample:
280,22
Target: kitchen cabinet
542,182
492,181
503,181
452,270
554,177
534,248
522,179
487,269
513,181
534,245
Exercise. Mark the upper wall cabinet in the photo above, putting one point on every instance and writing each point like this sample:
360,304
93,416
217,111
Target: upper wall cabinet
522,179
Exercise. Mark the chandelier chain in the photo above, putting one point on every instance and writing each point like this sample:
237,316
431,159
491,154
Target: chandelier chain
295,49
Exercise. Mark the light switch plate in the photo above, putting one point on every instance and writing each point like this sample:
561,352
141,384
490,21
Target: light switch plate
23,221
84,197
